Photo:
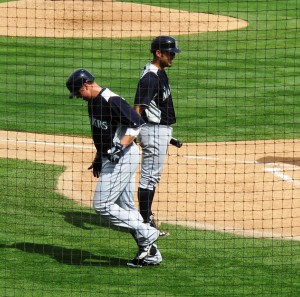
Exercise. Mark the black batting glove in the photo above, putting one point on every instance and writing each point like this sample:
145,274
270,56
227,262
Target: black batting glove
96,165
115,153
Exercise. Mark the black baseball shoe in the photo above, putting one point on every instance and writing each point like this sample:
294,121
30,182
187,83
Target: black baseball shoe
153,258
152,223
142,253
135,263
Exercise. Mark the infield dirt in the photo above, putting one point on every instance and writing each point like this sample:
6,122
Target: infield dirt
93,19
250,188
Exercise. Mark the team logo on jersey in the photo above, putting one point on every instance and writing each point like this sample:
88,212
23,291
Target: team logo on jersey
166,93
99,124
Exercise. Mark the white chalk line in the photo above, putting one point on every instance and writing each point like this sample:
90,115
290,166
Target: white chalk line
48,143
277,171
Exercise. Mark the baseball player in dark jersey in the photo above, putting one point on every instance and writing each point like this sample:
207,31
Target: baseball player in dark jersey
114,126
153,101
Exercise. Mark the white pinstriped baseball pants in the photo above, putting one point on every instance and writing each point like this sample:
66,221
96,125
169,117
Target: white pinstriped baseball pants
154,140
114,197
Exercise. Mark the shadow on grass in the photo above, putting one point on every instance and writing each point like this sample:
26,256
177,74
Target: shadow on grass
66,256
84,220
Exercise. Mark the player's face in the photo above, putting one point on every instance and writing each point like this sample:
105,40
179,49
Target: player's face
166,59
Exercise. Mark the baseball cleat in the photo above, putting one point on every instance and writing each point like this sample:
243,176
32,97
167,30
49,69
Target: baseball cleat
163,233
153,259
152,223
143,251
135,263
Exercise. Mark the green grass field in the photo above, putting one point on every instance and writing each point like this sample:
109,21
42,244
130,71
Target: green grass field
227,86
51,246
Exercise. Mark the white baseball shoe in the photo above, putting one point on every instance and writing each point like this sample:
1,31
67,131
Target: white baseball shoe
154,258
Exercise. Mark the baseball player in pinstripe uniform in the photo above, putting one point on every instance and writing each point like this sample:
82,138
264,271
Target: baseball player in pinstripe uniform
153,101
114,126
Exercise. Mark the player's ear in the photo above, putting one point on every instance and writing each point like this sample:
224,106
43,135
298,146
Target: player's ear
85,85
158,53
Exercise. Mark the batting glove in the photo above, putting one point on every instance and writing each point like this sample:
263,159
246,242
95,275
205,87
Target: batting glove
115,153
96,165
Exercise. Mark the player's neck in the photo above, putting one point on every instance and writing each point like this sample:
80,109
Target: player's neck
157,64
96,91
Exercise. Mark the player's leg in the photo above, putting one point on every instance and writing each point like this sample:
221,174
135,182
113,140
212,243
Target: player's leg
154,141
113,180
145,198
126,200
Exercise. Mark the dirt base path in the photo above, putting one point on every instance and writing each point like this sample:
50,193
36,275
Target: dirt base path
248,188
107,18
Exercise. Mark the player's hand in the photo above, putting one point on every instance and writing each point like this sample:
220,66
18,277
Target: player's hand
96,165
115,153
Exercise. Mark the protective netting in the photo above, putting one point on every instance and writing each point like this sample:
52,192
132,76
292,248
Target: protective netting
229,196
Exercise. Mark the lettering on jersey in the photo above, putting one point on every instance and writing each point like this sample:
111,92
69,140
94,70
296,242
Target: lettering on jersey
166,93
99,124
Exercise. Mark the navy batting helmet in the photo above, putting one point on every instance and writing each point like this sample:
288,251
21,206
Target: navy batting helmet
76,80
164,43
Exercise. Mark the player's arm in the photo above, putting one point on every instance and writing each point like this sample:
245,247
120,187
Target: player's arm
129,136
139,109
117,151
125,114
145,93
